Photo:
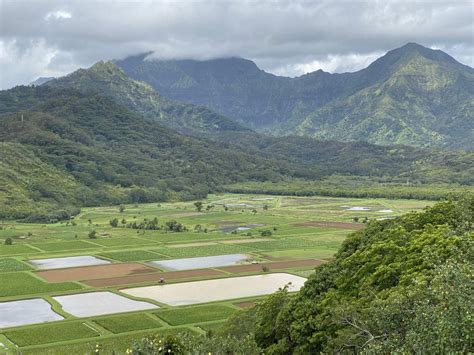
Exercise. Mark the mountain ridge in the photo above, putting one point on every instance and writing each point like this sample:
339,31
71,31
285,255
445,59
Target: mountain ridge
106,78
281,105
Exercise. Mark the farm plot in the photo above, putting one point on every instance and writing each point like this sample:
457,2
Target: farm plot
188,315
218,249
25,312
22,283
128,322
51,333
155,277
196,292
71,261
132,255
115,242
94,272
99,303
16,249
10,264
201,262
65,246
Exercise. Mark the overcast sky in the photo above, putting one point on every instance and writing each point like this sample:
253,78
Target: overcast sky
55,37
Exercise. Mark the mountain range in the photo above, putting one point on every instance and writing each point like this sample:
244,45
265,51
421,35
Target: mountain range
412,95
98,136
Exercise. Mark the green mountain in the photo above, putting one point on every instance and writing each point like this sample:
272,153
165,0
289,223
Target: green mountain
109,80
94,151
63,148
412,95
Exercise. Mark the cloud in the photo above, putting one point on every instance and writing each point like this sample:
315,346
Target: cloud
41,37
57,15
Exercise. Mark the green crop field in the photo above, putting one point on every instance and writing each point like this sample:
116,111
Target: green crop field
190,315
21,283
266,228
51,333
128,322
9,264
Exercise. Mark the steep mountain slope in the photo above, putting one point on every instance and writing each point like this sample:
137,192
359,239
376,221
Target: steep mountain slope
425,100
107,79
41,80
84,149
412,95
30,186
110,154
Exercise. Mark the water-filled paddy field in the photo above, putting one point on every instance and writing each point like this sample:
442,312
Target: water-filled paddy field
127,282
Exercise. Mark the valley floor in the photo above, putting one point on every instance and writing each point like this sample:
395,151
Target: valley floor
130,282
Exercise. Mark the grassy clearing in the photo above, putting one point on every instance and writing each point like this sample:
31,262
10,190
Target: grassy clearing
210,250
189,315
127,323
51,333
22,283
9,264
63,246
211,327
117,242
16,249
316,253
132,255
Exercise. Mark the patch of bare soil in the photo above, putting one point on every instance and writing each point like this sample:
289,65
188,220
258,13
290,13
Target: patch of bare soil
135,279
95,272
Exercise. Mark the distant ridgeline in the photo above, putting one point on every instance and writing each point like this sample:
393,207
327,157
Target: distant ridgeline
412,95
97,137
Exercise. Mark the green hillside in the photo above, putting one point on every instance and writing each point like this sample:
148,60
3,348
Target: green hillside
423,102
84,149
107,79
412,95
29,185
111,154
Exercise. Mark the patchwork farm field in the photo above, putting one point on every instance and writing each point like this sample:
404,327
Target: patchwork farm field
133,246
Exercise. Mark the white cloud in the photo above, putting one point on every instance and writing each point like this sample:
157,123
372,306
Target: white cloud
57,15
281,36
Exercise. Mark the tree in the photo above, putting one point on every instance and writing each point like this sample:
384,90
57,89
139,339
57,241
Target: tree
265,207
198,206
92,234
254,211
209,207
8,241
121,208
114,222
266,233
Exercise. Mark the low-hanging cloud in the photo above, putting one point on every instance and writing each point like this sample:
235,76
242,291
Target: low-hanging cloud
53,37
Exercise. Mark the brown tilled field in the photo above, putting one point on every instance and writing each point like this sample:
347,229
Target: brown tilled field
135,279
95,272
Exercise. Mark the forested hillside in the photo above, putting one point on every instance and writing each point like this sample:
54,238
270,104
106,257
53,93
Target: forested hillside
412,95
102,153
107,79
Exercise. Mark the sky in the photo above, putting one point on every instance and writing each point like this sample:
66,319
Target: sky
290,38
